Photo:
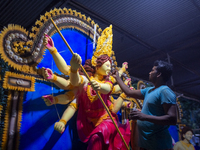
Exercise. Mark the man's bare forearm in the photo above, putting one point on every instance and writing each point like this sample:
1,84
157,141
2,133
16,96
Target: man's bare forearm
162,120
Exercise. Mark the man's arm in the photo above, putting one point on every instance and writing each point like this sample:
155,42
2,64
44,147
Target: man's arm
131,93
121,71
169,118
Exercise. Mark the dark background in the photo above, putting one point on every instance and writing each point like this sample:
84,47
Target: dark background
144,31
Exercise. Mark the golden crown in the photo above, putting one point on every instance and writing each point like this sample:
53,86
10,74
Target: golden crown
104,44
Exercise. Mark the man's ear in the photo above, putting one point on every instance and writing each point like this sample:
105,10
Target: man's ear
159,74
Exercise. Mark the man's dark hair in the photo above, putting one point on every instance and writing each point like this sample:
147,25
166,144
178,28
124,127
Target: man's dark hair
164,68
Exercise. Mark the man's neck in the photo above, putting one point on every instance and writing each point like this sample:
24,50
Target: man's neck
158,84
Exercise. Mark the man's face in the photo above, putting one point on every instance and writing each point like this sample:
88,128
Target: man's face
153,74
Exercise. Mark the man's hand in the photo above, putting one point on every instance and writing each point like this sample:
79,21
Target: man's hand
75,62
137,115
116,75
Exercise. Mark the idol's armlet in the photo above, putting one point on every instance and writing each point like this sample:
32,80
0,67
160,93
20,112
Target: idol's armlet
112,79
116,89
74,105
61,64
65,98
62,83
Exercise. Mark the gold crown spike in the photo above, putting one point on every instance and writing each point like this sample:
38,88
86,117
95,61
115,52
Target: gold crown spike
104,44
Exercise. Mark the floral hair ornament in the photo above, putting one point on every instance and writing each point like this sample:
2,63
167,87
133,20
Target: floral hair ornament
104,45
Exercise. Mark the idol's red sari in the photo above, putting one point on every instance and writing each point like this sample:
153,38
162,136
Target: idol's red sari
93,119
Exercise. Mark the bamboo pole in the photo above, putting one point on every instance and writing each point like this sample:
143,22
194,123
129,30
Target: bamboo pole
90,80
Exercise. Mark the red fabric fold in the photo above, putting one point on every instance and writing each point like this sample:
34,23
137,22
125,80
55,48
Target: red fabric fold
94,110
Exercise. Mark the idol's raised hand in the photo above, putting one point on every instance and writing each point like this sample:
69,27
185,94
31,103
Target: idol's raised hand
48,43
128,81
125,65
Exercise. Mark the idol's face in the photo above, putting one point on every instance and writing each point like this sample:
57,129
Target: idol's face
104,69
153,74
188,135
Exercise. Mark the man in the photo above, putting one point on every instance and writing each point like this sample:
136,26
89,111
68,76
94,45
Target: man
159,108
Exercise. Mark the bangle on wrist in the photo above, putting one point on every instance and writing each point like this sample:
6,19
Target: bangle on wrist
63,121
125,104
56,100
123,69
54,78
123,95
74,71
54,51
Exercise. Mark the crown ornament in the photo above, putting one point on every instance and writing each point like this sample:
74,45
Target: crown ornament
104,45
